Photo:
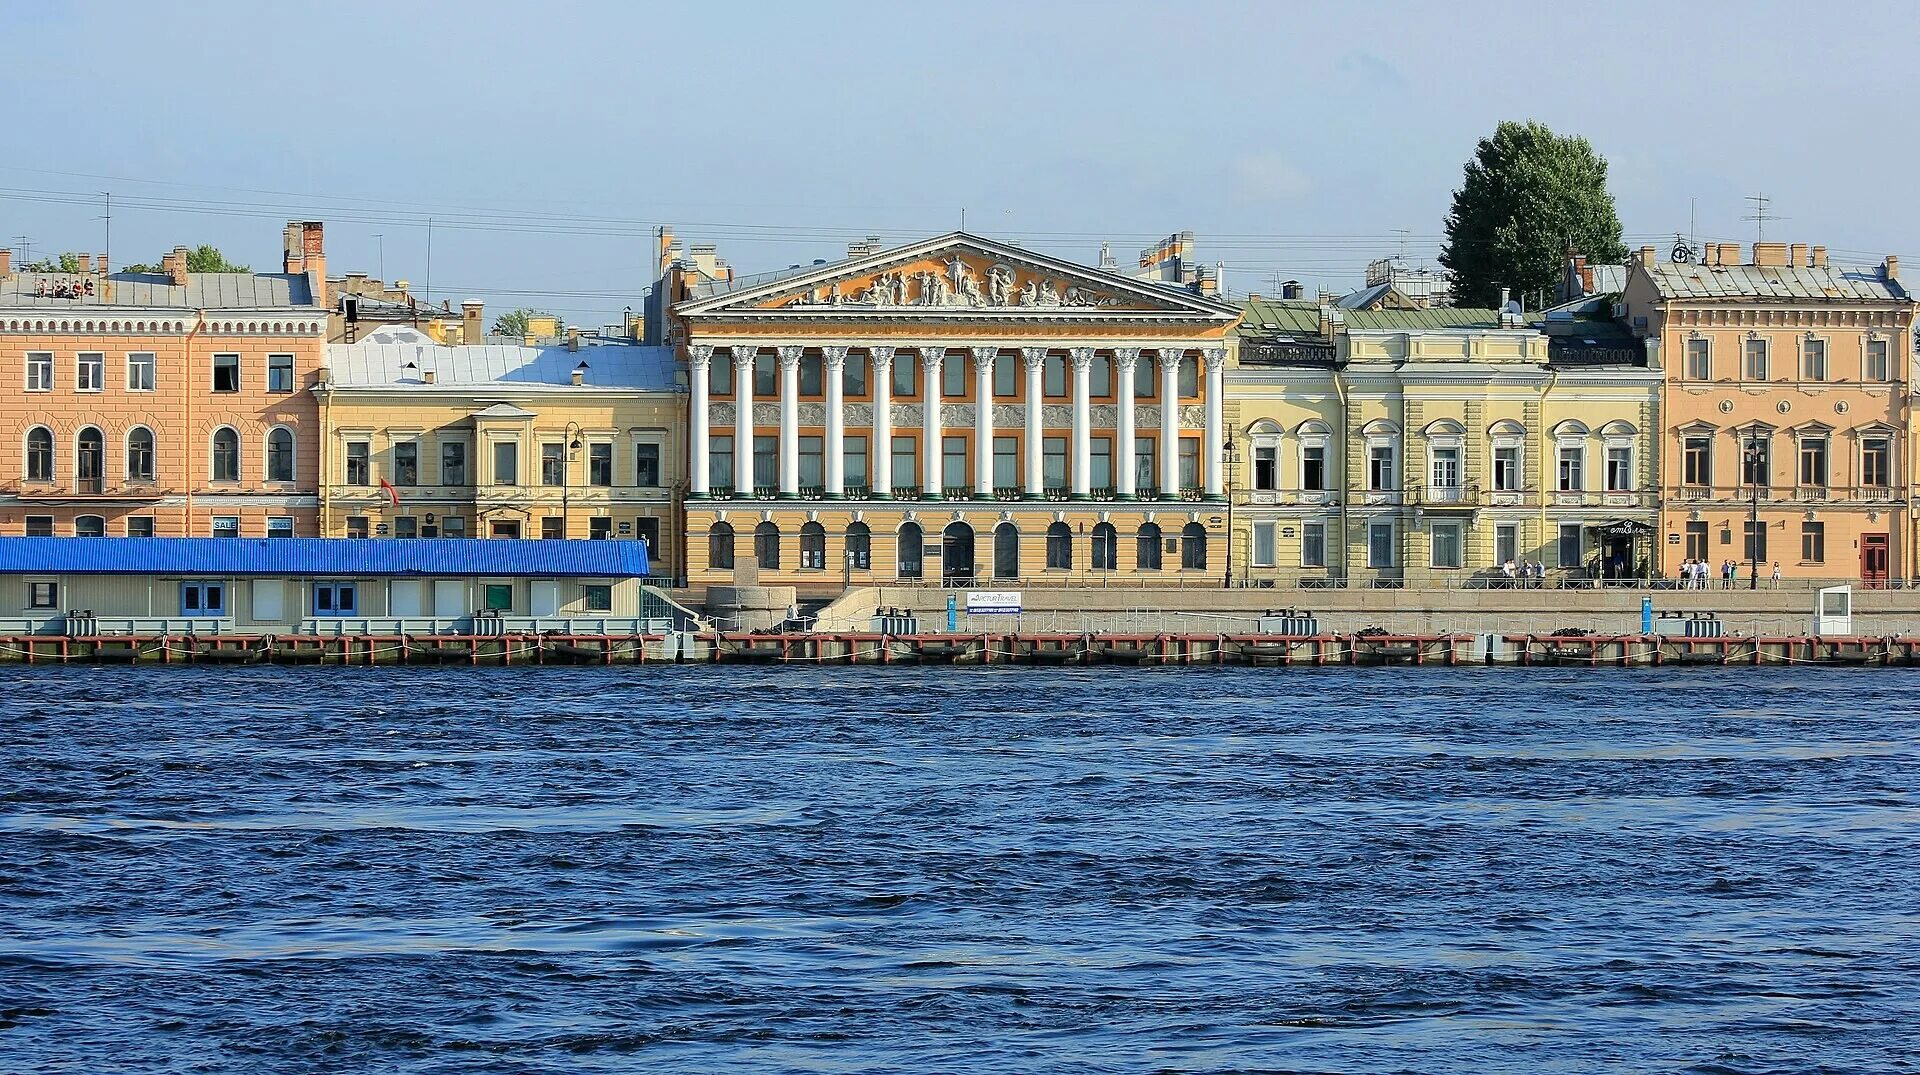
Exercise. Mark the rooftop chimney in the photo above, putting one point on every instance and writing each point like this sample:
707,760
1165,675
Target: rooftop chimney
1646,257
1729,253
1819,256
1890,268
6,261
470,318
293,251
313,248
580,371
100,265
1290,289
573,343
175,266
1771,254
1797,256
426,376
85,263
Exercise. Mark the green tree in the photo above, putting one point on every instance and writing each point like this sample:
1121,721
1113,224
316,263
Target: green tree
64,263
514,322
1528,195
203,258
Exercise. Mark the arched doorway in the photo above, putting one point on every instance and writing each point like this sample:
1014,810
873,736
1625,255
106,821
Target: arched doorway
1193,547
1147,549
956,554
1006,551
766,546
1106,547
91,451
908,563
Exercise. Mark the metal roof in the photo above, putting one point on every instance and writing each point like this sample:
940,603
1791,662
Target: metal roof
1287,317
1608,279
401,356
1437,318
204,291
1684,281
332,557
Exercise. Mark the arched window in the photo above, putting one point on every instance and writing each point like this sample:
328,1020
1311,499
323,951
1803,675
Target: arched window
140,454
1006,551
766,546
908,556
89,526
1060,547
1147,547
860,546
280,454
813,547
720,546
39,454
90,457
1106,547
226,455
956,553
1193,547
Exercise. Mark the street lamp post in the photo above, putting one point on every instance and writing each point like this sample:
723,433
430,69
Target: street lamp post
1228,458
572,444
1756,458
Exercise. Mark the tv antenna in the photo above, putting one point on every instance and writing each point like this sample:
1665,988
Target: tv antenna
1761,205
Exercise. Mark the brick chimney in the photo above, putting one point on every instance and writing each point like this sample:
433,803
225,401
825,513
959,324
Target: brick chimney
1797,256
1729,253
293,252
471,331
313,249
1819,257
84,264
1890,268
175,266
1770,254
6,261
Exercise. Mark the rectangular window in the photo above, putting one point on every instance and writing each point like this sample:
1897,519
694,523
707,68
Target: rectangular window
766,375
1262,552
766,461
335,599
1053,376
812,375
553,528
1313,545
226,526
140,371
279,526
43,595
356,526
506,462
1570,544
406,526
226,373
1756,364
1380,467
720,462
1699,361
1100,452
646,465
1006,463
1445,468
1506,469
203,599
1754,541
1266,467
1697,466
1189,463
453,462
1813,360
1813,543
90,371
1100,377
357,472
647,530
600,464
1143,377
1053,463
906,464
140,526
553,463
453,526
1146,467
1444,541
599,528
1813,462
39,526
813,462
1874,366
1379,544
1876,461
1506,543
1006,377
853,375
906,374
853,462
1313,468
1619,468
39,371
1189,376
1573,465
406,463
279,373
1755,463
720,375
1697,541
596,597
499,597
953,378
953,461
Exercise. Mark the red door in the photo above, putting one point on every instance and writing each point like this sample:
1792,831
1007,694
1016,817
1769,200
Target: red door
1873,560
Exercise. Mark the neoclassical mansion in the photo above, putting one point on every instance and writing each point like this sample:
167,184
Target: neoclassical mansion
953,409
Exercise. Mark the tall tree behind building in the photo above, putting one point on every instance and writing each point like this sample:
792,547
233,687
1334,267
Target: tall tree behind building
1528,195
203,258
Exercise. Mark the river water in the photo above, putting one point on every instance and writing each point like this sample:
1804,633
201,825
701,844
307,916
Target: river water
823,870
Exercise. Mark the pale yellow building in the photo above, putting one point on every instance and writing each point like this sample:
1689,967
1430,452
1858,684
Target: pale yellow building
1431,447
423,440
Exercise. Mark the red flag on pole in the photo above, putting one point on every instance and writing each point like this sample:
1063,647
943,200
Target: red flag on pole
392,493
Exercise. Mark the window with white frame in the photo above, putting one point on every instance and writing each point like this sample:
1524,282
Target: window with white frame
1379,544
1313,544
1813,359
279,373
1573,467
140,371
1445,545
1444,466
1506,465
1313,464
1755,368
39,371
1266,464
1263,544
89,371
1699,363
1874,366
1619,467
1570,543
1380,466
1876,461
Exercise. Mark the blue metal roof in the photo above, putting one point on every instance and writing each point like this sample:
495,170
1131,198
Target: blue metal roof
307,557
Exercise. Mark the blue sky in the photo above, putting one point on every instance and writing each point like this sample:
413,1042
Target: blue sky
548,140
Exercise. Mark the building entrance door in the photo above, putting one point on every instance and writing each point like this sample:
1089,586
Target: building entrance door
1874,560
956,554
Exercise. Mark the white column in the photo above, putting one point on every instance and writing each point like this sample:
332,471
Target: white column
931,431
834,363
1214,360
1082,416
1124,361
880,459
983,422
743,421
790,422
699,356
1170,423
1034,359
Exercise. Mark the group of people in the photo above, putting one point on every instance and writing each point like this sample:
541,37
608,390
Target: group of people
1524,574
1698,574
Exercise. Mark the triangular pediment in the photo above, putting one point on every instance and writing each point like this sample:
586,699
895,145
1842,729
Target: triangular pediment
956,275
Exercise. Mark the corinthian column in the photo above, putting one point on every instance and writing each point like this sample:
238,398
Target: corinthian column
983,422
1082,435
931,485
699,356
834,361
1124,361
1033,359
1170,423
743,422
1210,448
880,463
790,422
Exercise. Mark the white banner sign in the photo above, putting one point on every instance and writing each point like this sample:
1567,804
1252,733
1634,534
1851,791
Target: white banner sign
993,602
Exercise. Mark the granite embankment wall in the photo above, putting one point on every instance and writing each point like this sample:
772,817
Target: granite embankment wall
1190,611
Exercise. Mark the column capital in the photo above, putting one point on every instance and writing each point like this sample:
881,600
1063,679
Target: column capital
983,358
1170,357
743,355
789,357
1215,358
1033,357
931,357
1082,358
835,357
699,355
881,358
1126,358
